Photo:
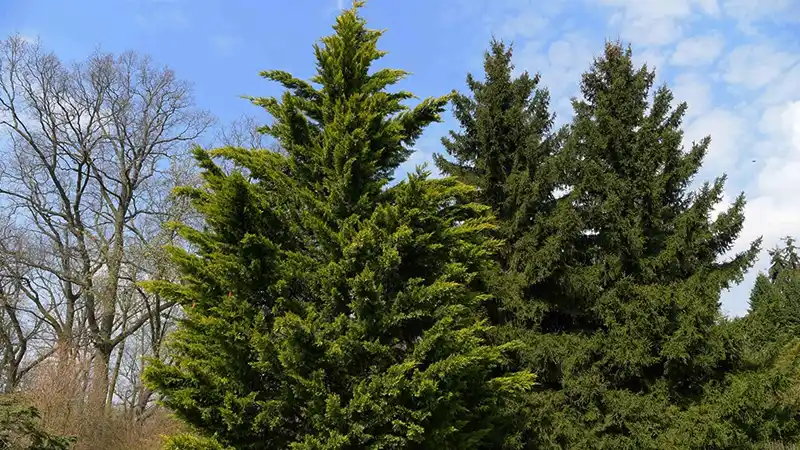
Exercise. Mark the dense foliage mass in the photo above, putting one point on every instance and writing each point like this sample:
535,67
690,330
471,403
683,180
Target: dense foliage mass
613,268
558,288
326,310
20,428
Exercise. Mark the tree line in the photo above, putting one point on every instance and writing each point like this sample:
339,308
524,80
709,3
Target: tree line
558,287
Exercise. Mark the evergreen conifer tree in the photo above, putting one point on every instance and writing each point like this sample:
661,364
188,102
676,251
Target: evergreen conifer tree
619,279
783,259
326,310
507,147
652,247
774,316
758,404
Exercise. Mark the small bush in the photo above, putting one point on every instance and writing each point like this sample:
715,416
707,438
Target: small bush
21,428
191,442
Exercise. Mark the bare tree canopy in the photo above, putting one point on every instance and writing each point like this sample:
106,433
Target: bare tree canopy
245,132
90,153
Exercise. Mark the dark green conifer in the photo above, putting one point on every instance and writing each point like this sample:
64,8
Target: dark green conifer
615,285
507,147
651,274
773,319
782,259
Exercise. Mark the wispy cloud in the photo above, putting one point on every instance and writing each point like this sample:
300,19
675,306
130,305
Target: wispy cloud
755,65
157,15
224,44
698,50
29,38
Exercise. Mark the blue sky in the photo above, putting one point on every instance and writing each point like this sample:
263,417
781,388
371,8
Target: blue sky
737,63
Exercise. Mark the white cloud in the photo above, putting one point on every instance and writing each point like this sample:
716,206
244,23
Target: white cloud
728,137
651,32
561,63
784,87
756,9
779,179
656,22
772,209
29,38
524,24
653,9
507,19
695,90
224,44
749,12
772,120
653,57
791,124
721,207
710,7
755,65
698,50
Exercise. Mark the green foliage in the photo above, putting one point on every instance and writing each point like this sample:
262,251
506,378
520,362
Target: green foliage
325,310
20,428
613,286
773,320
506,144
191,442
507,148
783,259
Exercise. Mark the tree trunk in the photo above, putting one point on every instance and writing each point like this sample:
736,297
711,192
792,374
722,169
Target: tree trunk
112,386
99,387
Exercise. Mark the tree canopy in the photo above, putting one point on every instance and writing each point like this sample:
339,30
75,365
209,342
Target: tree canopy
613,266
558,287
325,309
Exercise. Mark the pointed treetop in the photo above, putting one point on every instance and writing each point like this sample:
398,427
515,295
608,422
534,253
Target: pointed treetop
504,121
614,74
783,259
344,132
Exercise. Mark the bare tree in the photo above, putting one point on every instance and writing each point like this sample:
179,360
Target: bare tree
22,331
242,132
245,132
88,167
14,337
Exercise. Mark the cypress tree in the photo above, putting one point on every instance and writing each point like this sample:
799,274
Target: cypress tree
326,310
